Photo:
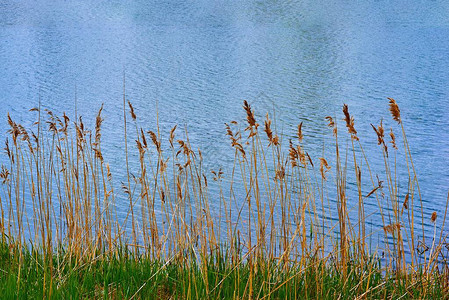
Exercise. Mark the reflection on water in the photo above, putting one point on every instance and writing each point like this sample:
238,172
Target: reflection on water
198,60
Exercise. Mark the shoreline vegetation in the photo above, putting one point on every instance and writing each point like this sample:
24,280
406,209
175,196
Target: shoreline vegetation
272,238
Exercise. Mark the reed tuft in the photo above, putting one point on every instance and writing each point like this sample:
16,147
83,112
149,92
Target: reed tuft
265,226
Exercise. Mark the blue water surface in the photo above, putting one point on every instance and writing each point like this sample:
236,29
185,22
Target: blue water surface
194,62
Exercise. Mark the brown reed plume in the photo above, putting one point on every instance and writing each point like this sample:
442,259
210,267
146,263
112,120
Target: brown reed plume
433,218
405,204
394,109
332,125
293,154
252,124
380,136
350,123
155,140
172,135
235,140
272,139
393,139
324,167
299,133
131,110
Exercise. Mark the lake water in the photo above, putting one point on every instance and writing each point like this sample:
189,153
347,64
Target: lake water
198,60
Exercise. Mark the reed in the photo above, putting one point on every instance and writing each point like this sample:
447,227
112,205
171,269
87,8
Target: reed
266,231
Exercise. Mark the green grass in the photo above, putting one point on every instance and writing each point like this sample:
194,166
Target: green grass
125,276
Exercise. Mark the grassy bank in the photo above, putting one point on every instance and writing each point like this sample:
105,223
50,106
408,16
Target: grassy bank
273,235
125,276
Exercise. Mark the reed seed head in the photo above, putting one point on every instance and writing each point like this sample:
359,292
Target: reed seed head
235,139
172,135
273,139
300,135
380,136
14,131
98,122
350,123
293,154
131,109
332,125
394,109
250,116
393,139
433,218
380,133
310,159
218,175
302,155
392,228
23,133
324,167
108,172
163,164
144,139
280,172
405,205
141,149
154,140
184,147
4,175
